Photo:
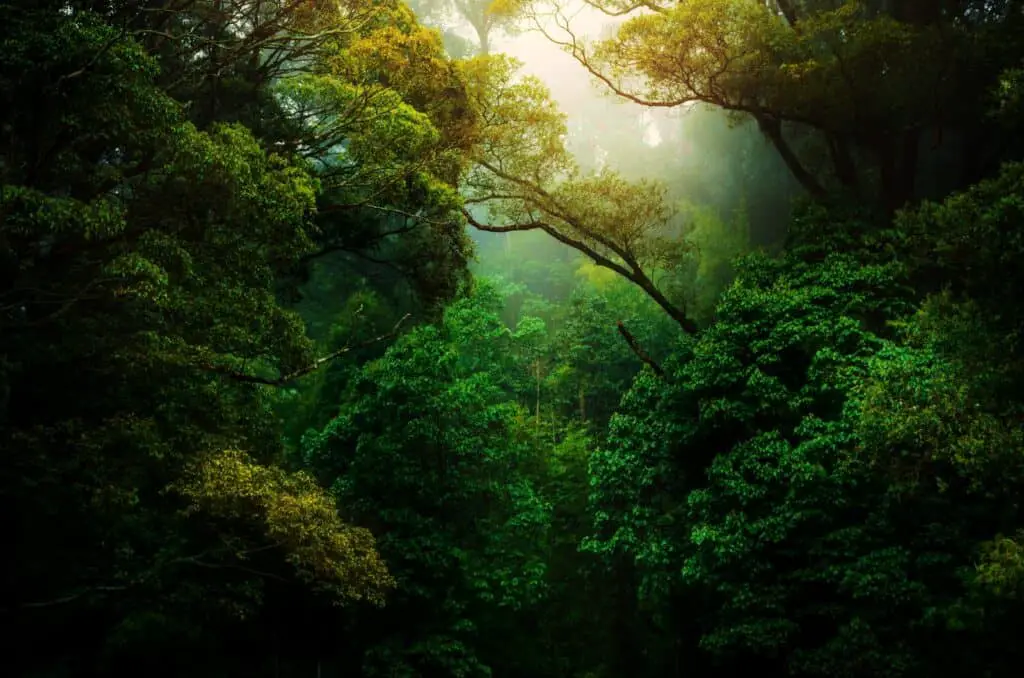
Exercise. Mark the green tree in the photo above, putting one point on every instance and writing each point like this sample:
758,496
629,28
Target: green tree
433,454
521,177
139,331
872,82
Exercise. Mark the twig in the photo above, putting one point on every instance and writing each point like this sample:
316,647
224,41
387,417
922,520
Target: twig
303,371
63,599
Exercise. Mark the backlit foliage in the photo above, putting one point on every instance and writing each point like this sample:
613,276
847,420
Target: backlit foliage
297,516
525,178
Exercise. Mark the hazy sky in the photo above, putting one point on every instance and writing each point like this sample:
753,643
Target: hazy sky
559,71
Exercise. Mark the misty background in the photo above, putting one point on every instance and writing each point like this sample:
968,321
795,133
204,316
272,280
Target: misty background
730,191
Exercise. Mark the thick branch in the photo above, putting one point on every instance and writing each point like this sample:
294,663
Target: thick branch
772,128
578,245
546,203
640,353
634,274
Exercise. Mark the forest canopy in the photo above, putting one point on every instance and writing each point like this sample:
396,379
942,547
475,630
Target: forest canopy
336,340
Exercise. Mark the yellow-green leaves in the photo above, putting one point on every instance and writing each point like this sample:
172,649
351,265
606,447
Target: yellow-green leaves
295,515
524,173
381,109
364,138
525,178
408,59
521,129
629,214
505,9
692,51
833,68
1001,569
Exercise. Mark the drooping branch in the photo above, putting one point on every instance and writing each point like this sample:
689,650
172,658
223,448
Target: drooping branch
577,245
634,273
640,353
576,50
612,221
545,202
772,129
303,371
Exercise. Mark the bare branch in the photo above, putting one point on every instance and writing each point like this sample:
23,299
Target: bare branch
577,51
578,245
71,597
303,371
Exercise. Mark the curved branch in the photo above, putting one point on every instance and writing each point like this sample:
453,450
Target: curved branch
578,245
638,5
634,274
576,51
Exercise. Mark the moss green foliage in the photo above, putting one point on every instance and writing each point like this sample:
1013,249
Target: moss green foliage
435,457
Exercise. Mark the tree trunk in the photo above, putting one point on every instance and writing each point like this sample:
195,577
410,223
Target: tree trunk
897,164
537,364
842,162
483,34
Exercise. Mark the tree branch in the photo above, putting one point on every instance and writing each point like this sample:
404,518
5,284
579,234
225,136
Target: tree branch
577,52
639,4
62,600
772,129
634,274
640,353
578,245
303,371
